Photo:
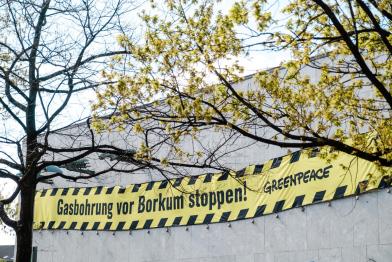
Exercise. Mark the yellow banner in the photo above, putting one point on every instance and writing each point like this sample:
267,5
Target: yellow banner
295,180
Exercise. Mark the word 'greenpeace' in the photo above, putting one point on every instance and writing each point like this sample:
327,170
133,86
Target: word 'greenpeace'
296,179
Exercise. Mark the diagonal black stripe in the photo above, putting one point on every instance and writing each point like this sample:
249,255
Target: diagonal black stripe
178,181
150,185
135,188
65,191
298,201
107,226
358,190
120,226
295,156
43,192
278,206
339,193
75,191
361,187
208,218
260,210
242,214
134,225
385,182
87,191
258,169
163,184
240,173
147,224
207,178
54,191
121,190
319,196
276,162
192,220
314,152
109,190
177,221
225,216
51,224
73,225
192,180
224,176
84,226
61,225
95,226
99,190
162,222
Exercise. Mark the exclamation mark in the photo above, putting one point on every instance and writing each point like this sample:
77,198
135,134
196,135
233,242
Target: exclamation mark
245,197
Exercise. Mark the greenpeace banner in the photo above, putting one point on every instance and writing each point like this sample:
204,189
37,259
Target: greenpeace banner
299,179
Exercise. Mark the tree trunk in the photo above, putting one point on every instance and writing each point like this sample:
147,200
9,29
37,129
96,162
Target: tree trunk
24,232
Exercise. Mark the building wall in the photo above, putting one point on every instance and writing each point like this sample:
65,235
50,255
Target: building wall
352,230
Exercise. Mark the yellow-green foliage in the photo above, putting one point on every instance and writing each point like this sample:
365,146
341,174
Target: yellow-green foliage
188,58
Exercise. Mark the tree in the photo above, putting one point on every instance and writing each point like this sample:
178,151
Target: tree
11,210
43,67
51,55
187,63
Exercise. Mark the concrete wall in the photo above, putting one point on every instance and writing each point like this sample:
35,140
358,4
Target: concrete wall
352,230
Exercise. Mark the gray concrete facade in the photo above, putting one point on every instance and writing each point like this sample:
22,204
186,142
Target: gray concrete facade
350,230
